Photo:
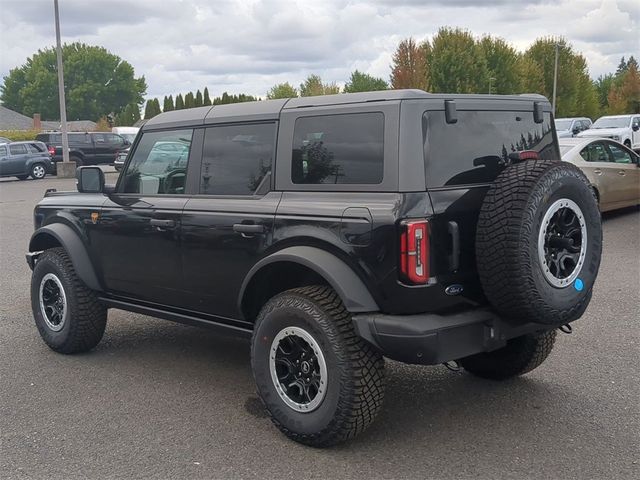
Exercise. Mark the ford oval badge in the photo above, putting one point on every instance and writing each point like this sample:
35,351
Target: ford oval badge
455,289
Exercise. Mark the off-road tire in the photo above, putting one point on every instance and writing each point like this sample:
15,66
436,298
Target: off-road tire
355,386
519,356
509,223
86,316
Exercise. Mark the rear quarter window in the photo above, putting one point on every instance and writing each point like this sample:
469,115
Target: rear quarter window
475,149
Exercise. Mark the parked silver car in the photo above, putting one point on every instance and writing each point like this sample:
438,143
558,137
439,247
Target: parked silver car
570,127
612,169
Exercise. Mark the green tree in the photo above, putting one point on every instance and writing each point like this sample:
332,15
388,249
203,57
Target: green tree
409,68
363,82
313,86
152,108
198,99
282,90
168,104
179,102
603,86
189,100
457,63
129,116
502,61
96,82
207,99
624,96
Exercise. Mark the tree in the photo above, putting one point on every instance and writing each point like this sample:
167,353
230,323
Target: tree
198,100
282,90
152,109
168,104
207,100
363,82
409,67
624,96
603,86
179,102
96,83
502,61
457,63
129,116
313,86
189,100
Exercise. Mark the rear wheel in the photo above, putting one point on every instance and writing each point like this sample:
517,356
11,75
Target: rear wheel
69,316
519,356
38,171
320,382
77,160
627,143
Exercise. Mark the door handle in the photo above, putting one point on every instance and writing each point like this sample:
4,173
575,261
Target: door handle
163,224
598,172
248,228
621,173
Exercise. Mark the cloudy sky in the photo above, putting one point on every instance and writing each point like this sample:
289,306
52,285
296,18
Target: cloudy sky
249,45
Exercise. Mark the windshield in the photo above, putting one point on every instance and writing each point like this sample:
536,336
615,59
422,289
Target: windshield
611,122
128,136
563,124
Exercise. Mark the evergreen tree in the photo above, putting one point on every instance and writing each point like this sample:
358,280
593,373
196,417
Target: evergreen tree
168,104
189,101
207,100
179,102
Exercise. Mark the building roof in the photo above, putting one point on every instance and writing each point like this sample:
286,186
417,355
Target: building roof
10,120
73,125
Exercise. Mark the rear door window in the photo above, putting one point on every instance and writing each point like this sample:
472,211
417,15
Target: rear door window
237,159
338,149
159,164
475,148
20,149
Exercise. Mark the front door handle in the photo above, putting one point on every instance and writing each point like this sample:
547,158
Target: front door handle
621,173
161,224
598,172
248,229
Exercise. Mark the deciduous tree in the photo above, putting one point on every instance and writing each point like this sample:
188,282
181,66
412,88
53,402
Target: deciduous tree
282,90
409,65
363,82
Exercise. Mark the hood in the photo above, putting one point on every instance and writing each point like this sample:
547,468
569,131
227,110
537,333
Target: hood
603,132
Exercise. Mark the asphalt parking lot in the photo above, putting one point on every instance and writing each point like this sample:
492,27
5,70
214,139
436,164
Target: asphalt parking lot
162,400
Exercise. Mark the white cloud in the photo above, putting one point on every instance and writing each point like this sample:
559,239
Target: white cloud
249,45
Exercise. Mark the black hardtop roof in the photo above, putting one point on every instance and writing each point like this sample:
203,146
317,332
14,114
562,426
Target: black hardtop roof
270,109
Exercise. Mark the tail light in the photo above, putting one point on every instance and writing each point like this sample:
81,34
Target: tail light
414,251
524,155
52,151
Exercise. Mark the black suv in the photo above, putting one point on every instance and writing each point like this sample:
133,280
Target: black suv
333,231
85,148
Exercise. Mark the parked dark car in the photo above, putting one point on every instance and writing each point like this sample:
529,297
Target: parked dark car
419,227
85,148
24,159
5,140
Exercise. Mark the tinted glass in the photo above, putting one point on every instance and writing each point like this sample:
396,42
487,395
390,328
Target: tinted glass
619,155
35,148
236,158
3,150
611,122
18,149
476,148
595,152
78,138
159,164
338,149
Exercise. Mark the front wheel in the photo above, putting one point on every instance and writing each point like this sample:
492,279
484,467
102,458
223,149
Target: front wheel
68,315
519,356
320,382
38,171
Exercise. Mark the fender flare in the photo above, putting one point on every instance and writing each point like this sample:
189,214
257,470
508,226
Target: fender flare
351,289
73,245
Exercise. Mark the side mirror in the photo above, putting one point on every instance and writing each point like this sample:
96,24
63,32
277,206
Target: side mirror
90,179
575,130
126,142
635,127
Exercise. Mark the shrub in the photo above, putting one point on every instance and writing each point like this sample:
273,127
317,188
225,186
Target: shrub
18,135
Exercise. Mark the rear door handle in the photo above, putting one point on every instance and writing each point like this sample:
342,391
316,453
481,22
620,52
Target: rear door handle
621,173
598,172
163,224
248,228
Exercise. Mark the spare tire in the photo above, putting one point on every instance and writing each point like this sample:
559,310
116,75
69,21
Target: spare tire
539,242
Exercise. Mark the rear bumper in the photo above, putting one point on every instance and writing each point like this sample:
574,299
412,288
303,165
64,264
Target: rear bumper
429,339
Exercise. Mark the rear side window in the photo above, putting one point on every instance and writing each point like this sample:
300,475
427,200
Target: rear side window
18,149
35,148
159,163
79,138
237,159
475,149
338,149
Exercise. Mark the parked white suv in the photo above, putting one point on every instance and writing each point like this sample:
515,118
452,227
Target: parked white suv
621,128
570,127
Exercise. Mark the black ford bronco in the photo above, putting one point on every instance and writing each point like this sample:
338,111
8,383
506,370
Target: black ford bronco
334,231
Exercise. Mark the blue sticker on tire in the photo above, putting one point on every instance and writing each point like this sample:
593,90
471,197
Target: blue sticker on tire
578,284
